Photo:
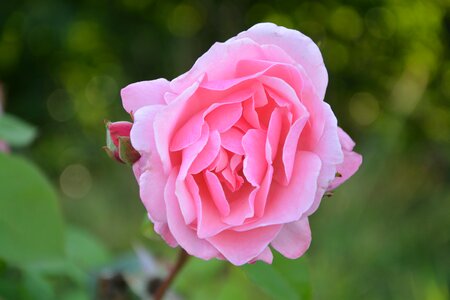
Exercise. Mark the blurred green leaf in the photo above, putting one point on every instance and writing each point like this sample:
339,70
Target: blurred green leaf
31,226
36,287
284,279
236,286
76,295
84,250
59,268
15,132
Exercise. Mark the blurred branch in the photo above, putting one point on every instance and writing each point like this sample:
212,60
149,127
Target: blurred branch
182,259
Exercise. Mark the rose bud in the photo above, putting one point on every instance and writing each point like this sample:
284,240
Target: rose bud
118,144
239,151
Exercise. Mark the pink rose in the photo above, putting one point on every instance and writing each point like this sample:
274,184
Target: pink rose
239,151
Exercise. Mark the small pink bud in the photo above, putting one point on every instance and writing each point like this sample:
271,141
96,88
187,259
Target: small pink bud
118,144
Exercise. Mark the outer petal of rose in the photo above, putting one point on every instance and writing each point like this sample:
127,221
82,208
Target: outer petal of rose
142,134
143,93
218,62
326,176
352,161
151,191
148,169
346,141
300,47
330,153
265,256
329,147
185,236
166,122
294,239
163,230
241,247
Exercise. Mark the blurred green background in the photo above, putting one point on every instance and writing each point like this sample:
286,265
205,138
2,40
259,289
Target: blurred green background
383,235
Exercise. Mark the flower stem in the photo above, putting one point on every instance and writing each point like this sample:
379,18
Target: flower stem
182,259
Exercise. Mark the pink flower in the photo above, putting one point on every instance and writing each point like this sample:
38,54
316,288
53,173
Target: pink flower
239,151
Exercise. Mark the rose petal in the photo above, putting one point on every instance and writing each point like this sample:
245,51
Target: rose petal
166,122
294,239
265,256
225,55
220,162
251,243
209,219
163,230
189,154
232,140
142,136
140,94
290,146
207,155
151,184
255,164
241,206
217,193
329,147
273,134
326,176
188,134
186,201
286,204
223,117
346,141
352,161
250,114
263,192
298,46
185,236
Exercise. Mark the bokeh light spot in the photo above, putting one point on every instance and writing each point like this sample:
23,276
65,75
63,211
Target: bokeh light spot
75,181
381,23
60,106
364,108
101,89
335,54
185,20
346,23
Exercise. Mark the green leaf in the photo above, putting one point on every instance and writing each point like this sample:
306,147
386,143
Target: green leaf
270,281
84,250
284,279
36,287
236,286
16,132
31,226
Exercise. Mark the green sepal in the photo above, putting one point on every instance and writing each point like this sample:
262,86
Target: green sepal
126,151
